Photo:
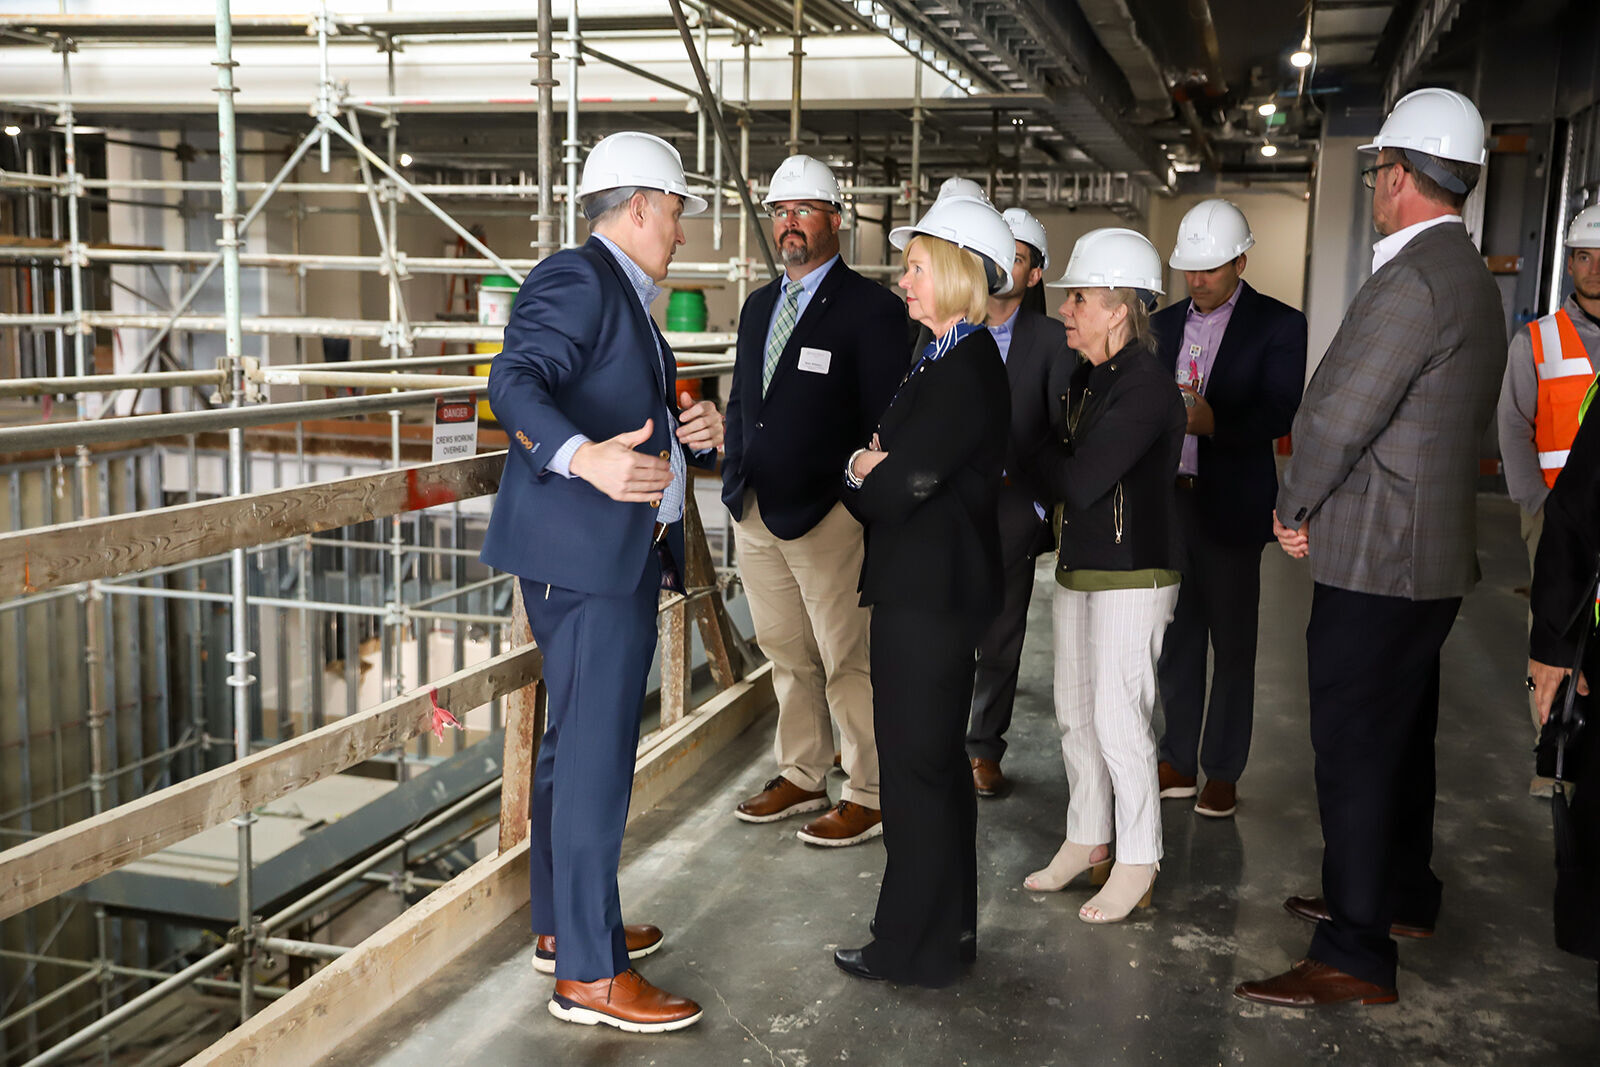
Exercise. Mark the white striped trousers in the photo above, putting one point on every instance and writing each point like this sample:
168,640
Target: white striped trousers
1106,647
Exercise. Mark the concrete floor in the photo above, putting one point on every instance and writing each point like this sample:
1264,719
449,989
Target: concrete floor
752,915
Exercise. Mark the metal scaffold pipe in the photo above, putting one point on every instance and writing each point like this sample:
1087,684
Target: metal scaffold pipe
151,427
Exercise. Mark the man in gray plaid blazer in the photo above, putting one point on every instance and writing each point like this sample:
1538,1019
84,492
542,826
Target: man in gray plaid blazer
1380,495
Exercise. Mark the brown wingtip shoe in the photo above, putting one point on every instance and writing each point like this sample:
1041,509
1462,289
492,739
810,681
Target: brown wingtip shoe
847,824
625,1001
1174,786
779,799
642,939
1218,799
1310,984
987,778
1315,910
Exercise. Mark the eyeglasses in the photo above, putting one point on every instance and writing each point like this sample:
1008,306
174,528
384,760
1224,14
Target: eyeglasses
784,214
1369,176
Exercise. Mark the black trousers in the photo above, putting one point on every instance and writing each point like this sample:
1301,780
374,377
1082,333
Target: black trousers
1023,535
1373,666
1218,606
921,690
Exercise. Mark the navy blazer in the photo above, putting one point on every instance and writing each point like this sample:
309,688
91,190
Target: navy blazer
1254,389
791,445
579,357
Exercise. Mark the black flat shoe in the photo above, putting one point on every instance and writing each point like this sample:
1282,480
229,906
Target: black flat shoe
968,948
849,961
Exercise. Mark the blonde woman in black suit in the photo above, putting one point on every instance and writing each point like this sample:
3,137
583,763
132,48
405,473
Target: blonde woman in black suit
925,489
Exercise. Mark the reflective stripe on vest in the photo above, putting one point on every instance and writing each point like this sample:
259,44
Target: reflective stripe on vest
1564,372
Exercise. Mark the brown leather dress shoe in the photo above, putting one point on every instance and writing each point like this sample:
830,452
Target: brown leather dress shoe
987,778
847,824
779,799
625,1001
642,939
1309,984
1174,786
1315,910
1218,799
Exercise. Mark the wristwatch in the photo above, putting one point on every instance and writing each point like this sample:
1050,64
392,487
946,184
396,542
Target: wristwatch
1190,399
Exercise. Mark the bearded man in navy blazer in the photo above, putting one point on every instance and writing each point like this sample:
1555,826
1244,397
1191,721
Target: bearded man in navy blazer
821,350
1240,358
588,516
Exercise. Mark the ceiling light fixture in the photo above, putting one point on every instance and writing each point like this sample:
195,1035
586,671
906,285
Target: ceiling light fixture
405,159
1267,110
13,130
1269,150
1301,57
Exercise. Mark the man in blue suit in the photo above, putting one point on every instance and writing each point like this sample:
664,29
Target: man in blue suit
1240,358
589,518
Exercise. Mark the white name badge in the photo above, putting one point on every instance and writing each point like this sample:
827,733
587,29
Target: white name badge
815,360
1195,351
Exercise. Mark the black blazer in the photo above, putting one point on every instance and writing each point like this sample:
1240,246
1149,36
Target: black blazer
791,445
1114,471
932,537
1562,570
1255,386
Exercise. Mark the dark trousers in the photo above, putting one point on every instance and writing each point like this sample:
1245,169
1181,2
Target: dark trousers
1218,605
597,653
1373,667
1023,535
921,690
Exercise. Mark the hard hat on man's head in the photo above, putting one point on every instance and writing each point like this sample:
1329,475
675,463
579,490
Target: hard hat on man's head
637,160
1213,232
1585,229
1030,231
1434,122
803,178
962,187
969,223
1112,258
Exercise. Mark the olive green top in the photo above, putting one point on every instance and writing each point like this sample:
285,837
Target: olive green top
1088,581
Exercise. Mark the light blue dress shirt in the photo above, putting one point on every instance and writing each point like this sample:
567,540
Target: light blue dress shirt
808,289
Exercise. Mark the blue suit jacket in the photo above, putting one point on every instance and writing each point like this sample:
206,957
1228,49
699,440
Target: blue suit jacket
1255,387
579,357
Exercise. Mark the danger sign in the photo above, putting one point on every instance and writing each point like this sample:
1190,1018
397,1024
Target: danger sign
455,428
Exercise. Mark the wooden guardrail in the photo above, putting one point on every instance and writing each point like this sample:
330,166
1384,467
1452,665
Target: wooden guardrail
34,560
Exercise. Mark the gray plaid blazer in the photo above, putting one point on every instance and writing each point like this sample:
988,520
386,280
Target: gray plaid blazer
1388,436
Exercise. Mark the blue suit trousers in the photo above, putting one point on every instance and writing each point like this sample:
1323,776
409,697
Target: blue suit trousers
597,654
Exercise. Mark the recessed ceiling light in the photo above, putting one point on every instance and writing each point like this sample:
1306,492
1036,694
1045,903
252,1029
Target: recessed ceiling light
1269,150
13,130
1301,58
405,159
1267,109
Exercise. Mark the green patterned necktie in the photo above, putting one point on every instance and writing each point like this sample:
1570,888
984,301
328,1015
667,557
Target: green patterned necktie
781,329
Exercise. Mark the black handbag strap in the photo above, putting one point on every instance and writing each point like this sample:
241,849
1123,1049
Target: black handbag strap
1585,623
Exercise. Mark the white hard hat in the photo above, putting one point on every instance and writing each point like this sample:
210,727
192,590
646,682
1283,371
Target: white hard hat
962,187
969,223
1585,229
1214,232
803,178
632,159
1112,258
1028,230
1436,122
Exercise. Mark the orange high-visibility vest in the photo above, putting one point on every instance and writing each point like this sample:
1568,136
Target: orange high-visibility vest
1564,371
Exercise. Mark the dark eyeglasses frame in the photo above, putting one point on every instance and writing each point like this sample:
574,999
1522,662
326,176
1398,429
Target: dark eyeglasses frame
1369,176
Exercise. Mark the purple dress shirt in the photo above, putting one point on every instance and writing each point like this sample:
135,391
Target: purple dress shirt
1202,333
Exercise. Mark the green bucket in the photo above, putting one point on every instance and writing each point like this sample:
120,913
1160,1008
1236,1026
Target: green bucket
686,311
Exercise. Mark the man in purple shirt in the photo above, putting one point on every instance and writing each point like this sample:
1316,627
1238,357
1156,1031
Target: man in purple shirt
1240,358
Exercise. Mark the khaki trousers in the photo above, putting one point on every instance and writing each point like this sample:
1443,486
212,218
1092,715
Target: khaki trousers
810,623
